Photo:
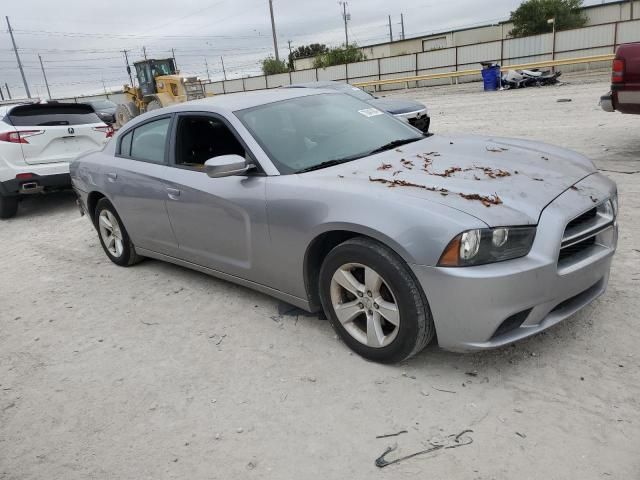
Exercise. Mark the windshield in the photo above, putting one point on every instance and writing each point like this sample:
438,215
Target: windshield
102,104
304,132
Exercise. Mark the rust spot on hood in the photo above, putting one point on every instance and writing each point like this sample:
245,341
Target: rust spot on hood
385,166
487,200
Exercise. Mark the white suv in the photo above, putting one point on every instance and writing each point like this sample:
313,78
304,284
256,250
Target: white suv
37,143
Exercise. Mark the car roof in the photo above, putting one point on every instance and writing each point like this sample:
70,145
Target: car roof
233,102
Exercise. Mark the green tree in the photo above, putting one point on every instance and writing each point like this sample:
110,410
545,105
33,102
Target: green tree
271,66
305,51
531,17
339,56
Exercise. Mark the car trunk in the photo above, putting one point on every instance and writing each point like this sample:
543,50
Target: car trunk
57,132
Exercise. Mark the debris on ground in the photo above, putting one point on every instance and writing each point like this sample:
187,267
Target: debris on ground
474,373
521,435
388,435
408,164
452,441
442,390
564,100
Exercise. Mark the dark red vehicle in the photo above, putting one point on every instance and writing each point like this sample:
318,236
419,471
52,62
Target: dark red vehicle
625,81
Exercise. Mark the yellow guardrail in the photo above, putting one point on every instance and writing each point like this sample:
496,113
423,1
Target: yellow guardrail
464,73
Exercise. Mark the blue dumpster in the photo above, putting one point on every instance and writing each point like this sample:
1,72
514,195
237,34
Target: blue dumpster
491,76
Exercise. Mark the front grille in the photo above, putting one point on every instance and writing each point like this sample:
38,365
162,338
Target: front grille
576,248
583,219
580,234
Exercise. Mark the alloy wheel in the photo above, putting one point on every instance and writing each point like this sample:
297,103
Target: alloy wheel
111,233
365,305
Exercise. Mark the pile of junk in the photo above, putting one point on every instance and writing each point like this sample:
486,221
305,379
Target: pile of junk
494,79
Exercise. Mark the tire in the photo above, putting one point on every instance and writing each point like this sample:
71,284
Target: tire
121,250
400,297
8,207
154,105
124,113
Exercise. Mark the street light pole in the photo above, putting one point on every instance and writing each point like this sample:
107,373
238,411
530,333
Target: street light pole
15,49
390,30
273,30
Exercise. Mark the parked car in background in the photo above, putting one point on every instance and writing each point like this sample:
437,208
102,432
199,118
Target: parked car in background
324,201
105,109
37,142
624,96
411,111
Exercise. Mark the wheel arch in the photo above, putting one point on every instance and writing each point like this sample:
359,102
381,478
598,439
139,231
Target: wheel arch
325,241
92,202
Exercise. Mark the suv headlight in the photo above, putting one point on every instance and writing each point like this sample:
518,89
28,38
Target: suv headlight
488,245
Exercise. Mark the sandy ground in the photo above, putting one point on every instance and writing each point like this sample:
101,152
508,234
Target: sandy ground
159,372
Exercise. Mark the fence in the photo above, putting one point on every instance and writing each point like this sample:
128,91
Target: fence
582,42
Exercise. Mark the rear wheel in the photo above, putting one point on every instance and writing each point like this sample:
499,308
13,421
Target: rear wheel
154,105
113,236
124,113
8,206
373,301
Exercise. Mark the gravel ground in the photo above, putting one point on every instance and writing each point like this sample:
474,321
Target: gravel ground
159,372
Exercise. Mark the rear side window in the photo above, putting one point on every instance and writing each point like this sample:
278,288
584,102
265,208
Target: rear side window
48,114
125,144
150,141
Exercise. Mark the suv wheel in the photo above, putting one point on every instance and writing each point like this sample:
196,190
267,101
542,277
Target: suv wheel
8,206
373,301
113,236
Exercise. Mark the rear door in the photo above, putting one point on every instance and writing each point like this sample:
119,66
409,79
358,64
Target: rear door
58,132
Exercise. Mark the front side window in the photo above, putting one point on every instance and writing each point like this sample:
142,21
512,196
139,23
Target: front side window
200,138
305,132
149,141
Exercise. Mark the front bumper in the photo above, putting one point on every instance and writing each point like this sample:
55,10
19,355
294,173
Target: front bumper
488,306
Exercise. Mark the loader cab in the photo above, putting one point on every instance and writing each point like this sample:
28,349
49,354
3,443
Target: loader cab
148,70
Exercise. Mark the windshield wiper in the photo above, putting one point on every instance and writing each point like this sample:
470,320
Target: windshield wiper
394,144
331,163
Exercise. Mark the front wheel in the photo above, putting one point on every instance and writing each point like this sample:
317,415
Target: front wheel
113,236
373,301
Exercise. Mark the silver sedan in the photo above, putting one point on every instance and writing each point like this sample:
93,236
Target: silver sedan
325,202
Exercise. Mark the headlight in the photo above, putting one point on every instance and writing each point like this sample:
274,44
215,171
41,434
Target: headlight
614,204
489,245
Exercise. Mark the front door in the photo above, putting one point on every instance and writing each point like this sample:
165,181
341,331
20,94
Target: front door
219,223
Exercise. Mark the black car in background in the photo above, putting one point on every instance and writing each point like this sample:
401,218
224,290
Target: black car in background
105,109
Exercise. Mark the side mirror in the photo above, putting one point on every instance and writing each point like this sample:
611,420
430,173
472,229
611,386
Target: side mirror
226,166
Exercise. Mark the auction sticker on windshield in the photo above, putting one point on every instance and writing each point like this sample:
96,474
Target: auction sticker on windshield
370,112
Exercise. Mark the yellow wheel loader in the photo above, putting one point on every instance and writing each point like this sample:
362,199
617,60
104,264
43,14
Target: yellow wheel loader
160,85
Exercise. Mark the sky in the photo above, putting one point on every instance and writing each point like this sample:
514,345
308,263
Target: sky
81,41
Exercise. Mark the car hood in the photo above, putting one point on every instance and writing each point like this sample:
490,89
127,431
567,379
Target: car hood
396,106
500,181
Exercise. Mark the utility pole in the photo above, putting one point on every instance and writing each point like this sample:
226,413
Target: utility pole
173,54
402,25
8,91
273,30
45,76
390,30
144,52
293,66
126,61
207,67
224,72
1,94
15,49
346,17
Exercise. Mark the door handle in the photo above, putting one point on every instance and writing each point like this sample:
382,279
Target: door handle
173,193
112,176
